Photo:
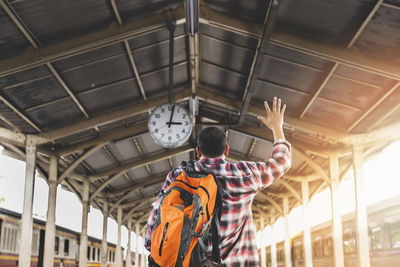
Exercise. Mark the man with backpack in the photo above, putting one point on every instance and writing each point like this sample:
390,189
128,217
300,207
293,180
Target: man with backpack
230,222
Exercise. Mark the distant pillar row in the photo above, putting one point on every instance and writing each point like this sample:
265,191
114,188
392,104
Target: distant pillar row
118,261
288,262
263,253
361,222
274,261
306,220
48,258
137,232
336,216
128,250
26,232
84,236
104,239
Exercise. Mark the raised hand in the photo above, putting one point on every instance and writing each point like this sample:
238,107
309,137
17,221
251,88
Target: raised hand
274,119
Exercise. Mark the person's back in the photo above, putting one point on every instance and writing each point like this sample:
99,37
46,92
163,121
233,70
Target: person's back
241,182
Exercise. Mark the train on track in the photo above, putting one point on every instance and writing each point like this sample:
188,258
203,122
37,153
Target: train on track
384,239
66,249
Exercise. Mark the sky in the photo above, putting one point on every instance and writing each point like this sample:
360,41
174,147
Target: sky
381,176
68,207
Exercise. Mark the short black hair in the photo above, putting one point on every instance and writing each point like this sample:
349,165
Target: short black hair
211,142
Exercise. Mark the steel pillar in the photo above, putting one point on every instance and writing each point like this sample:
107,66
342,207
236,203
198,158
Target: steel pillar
26,232
336,217
84,236
361,211
288,262
137,233
118,255
274,262
263,254
104,239
128,249
48,257
305,191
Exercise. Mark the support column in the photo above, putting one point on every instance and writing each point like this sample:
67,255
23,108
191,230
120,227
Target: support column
336,217
361,211
263,253
128,249
274,261
137,233
84,236
142,249
118,259
48,257
104,240
305,191
26,232
288,262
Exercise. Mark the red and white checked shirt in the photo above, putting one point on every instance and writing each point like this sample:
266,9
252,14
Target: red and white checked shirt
241,182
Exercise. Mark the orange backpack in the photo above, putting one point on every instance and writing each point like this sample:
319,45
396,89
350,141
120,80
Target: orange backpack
188,220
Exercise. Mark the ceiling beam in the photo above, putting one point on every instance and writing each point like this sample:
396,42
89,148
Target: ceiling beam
66,88
135,70
269,24
116,172
140,163
291,190
112,34
374,106
19,23
78,161
351,57
139,202
114,136
149,181
121,114
365,23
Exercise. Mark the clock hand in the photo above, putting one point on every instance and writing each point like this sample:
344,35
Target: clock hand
174,123
170,118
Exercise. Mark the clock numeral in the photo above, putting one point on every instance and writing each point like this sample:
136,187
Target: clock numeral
157,115
162,135
178,110
183,131
183,116
170,108
153,123
163,110
169,138
186,123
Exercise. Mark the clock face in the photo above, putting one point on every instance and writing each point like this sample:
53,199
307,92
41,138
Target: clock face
170,125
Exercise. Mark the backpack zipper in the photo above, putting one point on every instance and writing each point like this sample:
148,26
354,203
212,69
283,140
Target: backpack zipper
163,236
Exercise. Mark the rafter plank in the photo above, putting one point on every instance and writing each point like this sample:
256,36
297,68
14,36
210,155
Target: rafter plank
114,33
149,181
20,114
374,106
67,89
319,89
269,23
17,21
365,23
135,70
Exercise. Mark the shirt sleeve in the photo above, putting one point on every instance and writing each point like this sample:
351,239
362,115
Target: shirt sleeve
152,218
270,170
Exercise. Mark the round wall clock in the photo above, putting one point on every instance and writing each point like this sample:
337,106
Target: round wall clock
170,125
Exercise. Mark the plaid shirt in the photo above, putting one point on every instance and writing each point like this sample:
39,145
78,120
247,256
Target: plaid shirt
241,181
